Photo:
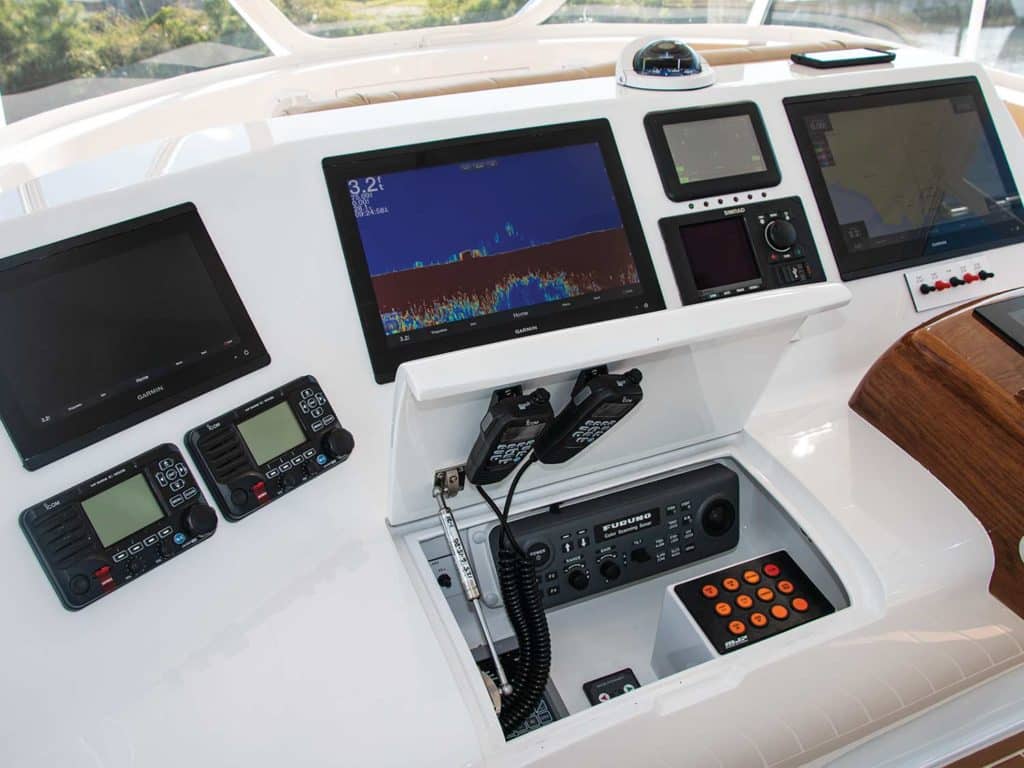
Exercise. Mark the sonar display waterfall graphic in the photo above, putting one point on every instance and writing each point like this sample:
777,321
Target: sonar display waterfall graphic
456,242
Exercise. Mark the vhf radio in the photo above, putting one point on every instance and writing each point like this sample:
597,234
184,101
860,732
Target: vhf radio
507,432
599,401
269,446
111,529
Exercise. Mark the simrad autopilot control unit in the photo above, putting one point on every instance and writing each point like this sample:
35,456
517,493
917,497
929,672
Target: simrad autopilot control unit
269,447
606,542
111,529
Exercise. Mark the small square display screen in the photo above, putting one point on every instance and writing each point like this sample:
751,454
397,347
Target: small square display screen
719,253
122,510
714,149
272,432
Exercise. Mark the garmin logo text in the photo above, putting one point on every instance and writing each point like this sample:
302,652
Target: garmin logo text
526,329
149,393
629,524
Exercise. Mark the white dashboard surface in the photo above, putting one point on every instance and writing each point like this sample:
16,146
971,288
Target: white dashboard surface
298,637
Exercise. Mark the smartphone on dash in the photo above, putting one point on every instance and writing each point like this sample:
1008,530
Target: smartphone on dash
848,57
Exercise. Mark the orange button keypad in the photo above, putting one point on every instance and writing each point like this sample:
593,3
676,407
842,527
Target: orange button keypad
753,601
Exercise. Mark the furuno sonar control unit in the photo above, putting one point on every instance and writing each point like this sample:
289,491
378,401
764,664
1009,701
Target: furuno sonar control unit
111,529
269,446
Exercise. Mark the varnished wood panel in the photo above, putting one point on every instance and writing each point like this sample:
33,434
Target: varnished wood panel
1008,753
948,393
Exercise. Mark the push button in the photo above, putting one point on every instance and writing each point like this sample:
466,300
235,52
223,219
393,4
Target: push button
737,627
765,594
785,587
751,577
730,584
758,619
723,609
259,490
780,612
799,604
771,570
710,591
745,602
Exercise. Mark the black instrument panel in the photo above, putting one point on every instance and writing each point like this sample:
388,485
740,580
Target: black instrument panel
126,322
111,529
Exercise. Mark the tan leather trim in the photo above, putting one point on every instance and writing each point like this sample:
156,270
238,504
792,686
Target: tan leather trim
1017,113
468,84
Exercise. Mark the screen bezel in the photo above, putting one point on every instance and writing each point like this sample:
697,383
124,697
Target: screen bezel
855,265
385,359
41,446
655,123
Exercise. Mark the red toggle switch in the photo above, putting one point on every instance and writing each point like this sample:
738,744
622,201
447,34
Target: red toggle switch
259,490
105,579
941,285
970,277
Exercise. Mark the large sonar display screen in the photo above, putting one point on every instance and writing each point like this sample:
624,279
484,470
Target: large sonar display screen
461,243
907,175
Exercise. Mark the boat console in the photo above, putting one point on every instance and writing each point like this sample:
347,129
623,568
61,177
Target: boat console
528,418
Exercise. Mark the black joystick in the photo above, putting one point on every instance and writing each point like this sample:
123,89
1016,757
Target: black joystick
200,520
780,234
338,443
718,517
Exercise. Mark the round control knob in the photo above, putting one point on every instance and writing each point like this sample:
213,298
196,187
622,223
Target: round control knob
239,496
610,570
780,234
288,481
579,580
338,443
79,584
718,517
200,520
135,565
640,555
167,548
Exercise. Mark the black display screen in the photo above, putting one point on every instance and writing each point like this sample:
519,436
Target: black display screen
908,175
125,322
719,253
461,243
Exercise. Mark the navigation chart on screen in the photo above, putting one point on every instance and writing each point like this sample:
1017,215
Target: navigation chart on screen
459,242
896,170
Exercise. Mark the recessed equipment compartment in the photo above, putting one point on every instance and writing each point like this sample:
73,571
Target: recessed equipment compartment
755,247
269,446
111,529
614,636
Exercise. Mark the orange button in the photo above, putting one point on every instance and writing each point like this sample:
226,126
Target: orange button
780,612
785,587
744,601
764,593
731,584
771,570
751,577
723,609
710,591
758,619
737,627
799,604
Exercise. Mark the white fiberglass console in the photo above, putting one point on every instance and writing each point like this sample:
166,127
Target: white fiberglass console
732,568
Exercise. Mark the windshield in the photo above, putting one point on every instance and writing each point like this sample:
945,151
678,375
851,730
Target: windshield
57,52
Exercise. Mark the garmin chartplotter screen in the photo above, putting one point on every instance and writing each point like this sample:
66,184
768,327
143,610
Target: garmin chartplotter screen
904,176
462,243
116,325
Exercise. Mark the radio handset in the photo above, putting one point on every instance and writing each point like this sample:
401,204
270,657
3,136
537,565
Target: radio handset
507,433
599,401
